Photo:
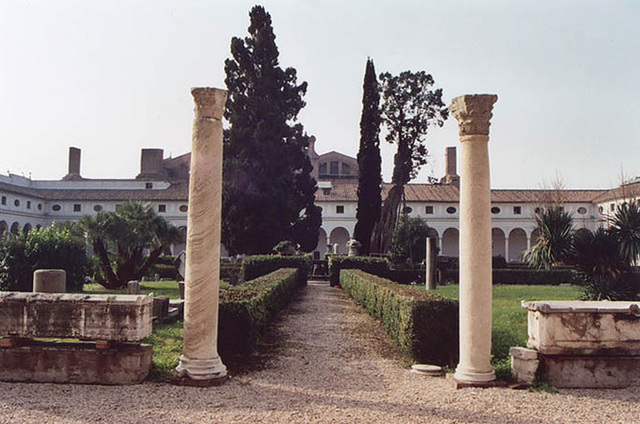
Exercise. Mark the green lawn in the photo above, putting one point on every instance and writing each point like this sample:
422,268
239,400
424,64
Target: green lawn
509,319
158,288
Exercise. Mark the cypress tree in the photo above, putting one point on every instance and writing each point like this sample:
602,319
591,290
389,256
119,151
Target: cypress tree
268,193
369,162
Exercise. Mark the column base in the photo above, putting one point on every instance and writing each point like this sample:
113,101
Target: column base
458,384
201,370
473,377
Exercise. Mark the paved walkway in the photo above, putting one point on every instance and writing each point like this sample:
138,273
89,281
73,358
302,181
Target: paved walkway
332,364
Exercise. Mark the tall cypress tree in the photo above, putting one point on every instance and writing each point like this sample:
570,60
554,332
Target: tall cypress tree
369,162
268,189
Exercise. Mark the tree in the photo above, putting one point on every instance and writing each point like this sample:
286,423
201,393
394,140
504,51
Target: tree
268,193
120,240
369,161
410,107
555,238
409,240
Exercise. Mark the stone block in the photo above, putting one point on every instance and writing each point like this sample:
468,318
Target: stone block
160,307
524,364
79,363
584,328
597,372
121,318
133,287
49,281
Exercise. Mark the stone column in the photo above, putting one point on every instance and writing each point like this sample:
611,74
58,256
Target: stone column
430,264
200,363
473,113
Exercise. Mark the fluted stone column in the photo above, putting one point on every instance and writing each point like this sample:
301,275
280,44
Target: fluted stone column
473,113
200,362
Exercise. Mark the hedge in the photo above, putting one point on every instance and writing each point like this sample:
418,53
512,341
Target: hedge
423,324
375,266
536,277
258,265
247,309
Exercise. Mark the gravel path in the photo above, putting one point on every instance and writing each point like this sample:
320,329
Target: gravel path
333,364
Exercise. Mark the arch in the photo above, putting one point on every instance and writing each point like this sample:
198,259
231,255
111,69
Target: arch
15,229
581,232
322,242
38,227
27,227
498,243
535,235
182,246
451,242
340,236
517,244
3,230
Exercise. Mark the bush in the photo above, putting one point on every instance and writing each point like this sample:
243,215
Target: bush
531,277
245,310
42,248
375,266
423,324
163,270
230,272
258,265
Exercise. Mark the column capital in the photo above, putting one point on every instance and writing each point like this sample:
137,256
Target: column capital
210,102
473,112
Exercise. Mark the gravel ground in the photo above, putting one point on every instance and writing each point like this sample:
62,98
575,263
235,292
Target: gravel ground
332,364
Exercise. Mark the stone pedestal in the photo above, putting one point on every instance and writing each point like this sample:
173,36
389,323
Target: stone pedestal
473,113
200,363
50,281
133,287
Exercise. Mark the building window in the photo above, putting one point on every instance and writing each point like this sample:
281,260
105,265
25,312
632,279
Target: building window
517,210
323,169
334,168
326,191
16,202
148,185
612,207
428,210
56,208
538,210
97,208
184,208
39,206
339,209
346,169
451,210
28,204
582,210
495,210
162,208
407,209
4,200
77,207
600,209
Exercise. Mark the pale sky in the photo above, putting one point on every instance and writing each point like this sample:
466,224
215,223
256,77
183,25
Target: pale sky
112,77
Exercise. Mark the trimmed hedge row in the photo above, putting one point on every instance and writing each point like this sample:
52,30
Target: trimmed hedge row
245,310
258,265
375,266
424,325
536,277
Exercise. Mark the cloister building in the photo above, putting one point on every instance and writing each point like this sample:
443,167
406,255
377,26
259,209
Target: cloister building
26,203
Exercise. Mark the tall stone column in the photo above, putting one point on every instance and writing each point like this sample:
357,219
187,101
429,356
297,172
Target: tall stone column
473,113
430,264
200,363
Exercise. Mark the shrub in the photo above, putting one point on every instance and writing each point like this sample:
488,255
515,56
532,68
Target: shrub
532,277
245,310
375,266
42,248
258,265
423,324
163,270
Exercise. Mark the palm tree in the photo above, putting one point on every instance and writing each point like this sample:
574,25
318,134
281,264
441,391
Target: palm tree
625,226
120,239
555,241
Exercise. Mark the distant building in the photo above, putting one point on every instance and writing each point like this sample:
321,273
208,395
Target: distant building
26,203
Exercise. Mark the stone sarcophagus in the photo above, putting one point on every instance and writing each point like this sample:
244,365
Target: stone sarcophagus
116,318
578,344
584,327
112,323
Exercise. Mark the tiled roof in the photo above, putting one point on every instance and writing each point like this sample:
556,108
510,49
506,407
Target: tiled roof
25,191
627,191
179,191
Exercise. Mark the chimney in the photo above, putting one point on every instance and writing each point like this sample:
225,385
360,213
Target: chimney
451,174
151,164
74,164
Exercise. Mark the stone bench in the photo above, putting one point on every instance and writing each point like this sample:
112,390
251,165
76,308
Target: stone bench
113,324
581,344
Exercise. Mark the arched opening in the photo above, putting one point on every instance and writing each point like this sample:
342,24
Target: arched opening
178,248
535,235
582,232
27,227
322,242
15,229
451,242
3,230
498,247
432,232
339,236
517,244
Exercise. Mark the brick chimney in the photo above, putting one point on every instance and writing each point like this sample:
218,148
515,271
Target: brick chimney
151,164
451,172
74,164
